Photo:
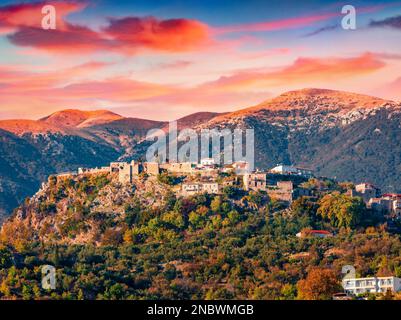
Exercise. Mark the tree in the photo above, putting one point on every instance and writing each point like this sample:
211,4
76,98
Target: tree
115,292
230,192
132,212
112,237
5,258
173,219
342,210
215,205
197,219
166,179
288,292
304,207
233,216
320,284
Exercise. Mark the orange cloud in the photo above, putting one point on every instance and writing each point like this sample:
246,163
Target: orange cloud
54,90
174,35
16,79
127,35
24,93
302,71
114,89
247,88
131,35
277,24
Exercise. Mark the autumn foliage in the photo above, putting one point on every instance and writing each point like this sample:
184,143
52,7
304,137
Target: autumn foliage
320,284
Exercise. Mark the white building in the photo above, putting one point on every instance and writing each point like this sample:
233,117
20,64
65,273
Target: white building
397,207
210,187
387,204
291,170
207,162
193,188
314,234
190,188
241,167
356,286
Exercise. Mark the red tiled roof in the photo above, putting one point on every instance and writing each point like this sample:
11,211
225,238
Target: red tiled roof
320,231
391,195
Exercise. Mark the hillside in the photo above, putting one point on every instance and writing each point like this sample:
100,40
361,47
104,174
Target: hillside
27,160
142,241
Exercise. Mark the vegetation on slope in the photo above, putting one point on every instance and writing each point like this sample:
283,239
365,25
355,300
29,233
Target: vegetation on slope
231,246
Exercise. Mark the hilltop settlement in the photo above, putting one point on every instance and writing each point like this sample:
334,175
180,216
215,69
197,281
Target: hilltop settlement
282,182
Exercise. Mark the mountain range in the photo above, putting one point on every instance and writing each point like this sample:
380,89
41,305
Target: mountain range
337,134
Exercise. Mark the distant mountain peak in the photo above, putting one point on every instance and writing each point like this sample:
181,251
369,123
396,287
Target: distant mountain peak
304,97
80,119
316,92
311,92
313,99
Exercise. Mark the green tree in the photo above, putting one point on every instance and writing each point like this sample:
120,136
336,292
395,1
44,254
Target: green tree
6,258
215,205
342,210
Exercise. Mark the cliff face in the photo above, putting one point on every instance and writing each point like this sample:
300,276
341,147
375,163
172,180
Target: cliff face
81,209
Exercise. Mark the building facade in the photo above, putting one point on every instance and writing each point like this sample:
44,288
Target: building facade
284,191
388,204
291,170
366,191
356,286
205,187
308,233
207,162
254,181
128,171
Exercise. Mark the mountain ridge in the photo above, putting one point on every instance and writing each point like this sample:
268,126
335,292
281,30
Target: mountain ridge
81,119
285,101
339,134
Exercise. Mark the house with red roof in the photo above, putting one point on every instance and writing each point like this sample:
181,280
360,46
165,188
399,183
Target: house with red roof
309,233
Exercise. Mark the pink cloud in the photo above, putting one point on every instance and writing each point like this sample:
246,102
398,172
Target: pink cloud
46,91
127,35
175,35
303,70
277,24
72,39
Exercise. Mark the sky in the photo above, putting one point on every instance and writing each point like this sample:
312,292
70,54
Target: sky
162,60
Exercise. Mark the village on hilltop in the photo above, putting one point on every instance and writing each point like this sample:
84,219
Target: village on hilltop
283,182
